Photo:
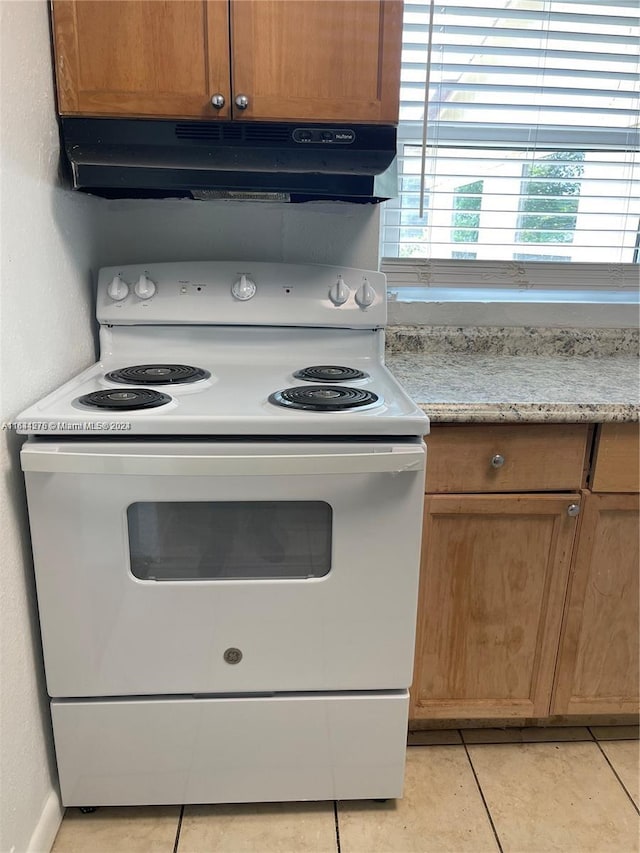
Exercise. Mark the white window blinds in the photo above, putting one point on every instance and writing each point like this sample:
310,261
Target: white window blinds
532,132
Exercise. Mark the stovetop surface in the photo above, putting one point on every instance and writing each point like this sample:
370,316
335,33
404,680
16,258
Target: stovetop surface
242,369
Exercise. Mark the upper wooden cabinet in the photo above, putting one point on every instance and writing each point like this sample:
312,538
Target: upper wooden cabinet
317,60
130,58
299,60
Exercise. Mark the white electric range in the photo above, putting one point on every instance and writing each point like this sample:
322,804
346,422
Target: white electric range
226,515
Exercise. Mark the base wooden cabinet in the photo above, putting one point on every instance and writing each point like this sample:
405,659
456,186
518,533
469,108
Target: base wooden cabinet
528,601
599,663
494,574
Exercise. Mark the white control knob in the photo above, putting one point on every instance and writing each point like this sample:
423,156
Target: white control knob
340,292
117,289
365,295
243,288
144,288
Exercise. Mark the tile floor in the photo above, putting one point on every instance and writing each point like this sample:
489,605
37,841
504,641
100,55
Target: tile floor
570,790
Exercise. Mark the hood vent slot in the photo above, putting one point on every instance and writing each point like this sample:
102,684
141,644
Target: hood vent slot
198,131
256,133
208,131
231,132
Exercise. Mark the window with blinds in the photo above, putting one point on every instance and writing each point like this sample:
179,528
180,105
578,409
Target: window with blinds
532,132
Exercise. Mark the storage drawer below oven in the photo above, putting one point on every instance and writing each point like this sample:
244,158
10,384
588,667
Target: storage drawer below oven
228,750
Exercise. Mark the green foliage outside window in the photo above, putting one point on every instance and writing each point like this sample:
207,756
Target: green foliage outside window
549,207
466,225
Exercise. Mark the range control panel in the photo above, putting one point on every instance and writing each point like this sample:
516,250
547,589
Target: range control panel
242,293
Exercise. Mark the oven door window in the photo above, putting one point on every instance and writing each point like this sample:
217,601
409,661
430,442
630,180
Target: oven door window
182,541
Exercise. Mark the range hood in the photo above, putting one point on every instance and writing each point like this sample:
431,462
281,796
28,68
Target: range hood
150,158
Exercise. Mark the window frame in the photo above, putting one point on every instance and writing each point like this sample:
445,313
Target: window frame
514,275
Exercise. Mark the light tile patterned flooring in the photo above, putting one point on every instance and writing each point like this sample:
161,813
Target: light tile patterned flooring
571,790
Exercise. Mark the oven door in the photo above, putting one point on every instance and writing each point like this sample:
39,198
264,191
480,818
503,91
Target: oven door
211,568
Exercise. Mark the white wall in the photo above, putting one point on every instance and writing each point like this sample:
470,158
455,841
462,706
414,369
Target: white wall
45,308
139,231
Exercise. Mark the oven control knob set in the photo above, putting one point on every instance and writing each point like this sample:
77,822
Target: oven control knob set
117,289
243,288
340,292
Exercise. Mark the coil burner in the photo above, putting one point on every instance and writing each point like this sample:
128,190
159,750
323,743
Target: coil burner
125,400
324,398
330,373
158,374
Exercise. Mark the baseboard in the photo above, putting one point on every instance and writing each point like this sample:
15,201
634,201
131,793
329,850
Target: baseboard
48,825
416,725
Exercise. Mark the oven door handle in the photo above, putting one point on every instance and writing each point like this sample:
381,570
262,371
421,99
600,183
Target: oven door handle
394,460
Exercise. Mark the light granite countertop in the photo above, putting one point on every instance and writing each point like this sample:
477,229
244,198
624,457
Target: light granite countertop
460,376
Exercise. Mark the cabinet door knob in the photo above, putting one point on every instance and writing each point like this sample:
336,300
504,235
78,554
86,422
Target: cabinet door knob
573,510
217,101
242,102
497,461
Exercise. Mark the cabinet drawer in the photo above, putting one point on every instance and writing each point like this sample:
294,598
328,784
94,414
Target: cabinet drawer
497,458
617,459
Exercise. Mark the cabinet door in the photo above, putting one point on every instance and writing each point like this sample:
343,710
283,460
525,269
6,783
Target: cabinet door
493,580
131,58
315,60
598,665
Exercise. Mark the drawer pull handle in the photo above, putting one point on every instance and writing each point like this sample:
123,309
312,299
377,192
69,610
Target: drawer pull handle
497,461
573,510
